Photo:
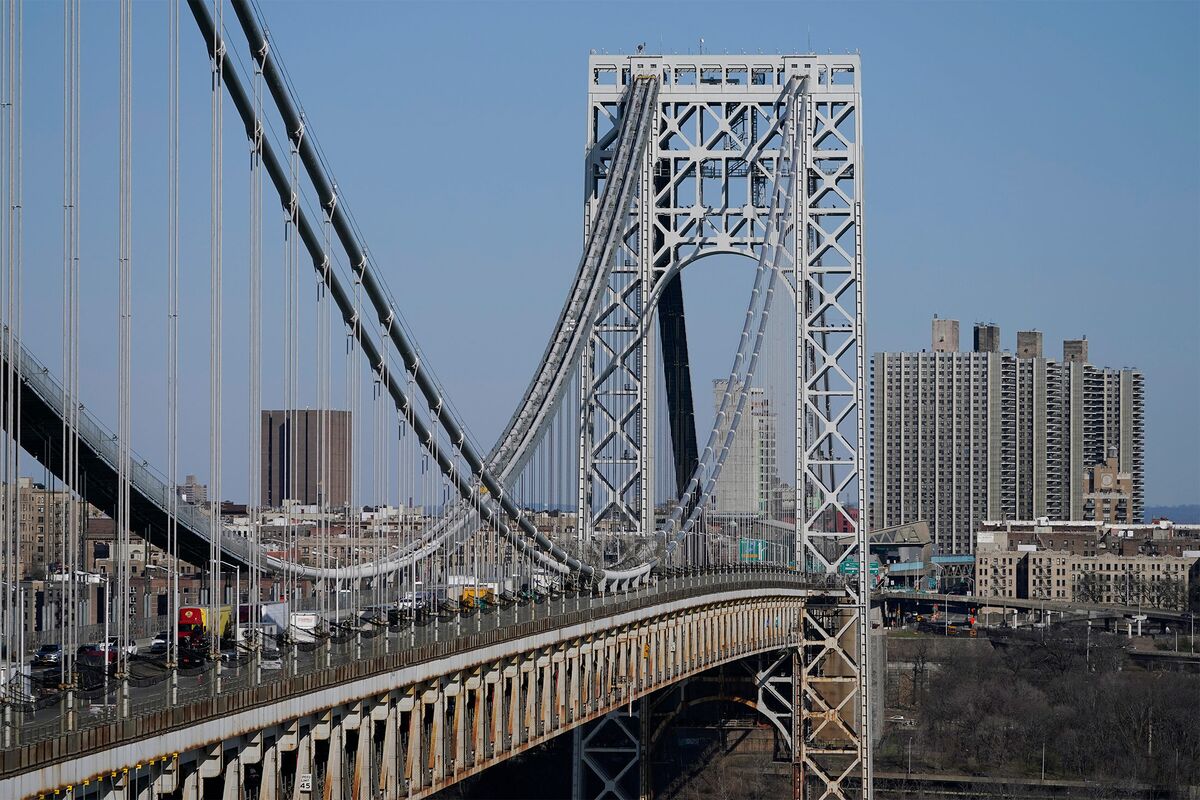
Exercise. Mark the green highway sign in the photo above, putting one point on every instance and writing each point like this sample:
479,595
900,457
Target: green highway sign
752,549
850,567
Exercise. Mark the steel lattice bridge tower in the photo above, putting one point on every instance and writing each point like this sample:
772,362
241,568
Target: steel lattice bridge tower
592,560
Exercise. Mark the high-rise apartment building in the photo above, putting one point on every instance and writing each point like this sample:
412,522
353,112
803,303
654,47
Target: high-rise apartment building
43,524
945,335
987,338
962,437
749,479
192,491
292,454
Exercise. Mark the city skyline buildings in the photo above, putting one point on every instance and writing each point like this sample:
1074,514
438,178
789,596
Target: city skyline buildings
962,437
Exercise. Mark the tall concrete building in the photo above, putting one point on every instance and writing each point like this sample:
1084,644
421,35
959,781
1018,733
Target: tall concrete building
1029,344
987,338
291,457
749,480
192,491
962,437
945,335
41,526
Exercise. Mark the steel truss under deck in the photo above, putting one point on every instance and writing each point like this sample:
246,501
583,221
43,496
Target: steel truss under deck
705,187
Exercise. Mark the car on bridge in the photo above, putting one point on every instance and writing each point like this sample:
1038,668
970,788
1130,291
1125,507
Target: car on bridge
96,655
161,642
114,643
48,655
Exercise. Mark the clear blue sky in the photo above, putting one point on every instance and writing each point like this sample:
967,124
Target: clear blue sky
1032,164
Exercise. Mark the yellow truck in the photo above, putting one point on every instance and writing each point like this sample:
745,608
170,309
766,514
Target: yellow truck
477,597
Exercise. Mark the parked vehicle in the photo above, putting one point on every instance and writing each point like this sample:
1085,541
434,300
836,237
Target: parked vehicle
481,596
48,682
198,622
130,648
190,657
271,659
258,633
97,655
417,602
96,649
48,655
161,643
272,617
303,627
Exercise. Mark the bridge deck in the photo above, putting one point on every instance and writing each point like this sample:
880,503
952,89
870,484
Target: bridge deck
345,671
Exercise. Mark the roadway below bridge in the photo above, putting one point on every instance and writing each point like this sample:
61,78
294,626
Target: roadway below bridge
1067,611
448,699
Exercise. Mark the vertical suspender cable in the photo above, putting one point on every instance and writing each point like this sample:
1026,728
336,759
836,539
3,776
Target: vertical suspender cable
16,293
9,522
382,416
352,397
13,607
124,389
77,511
70,394
8,527
357,380
173,332
379,441
214,356
290,483
409,501
323,378
255,384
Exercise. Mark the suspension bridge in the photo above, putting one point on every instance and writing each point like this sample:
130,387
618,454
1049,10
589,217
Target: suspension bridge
602,550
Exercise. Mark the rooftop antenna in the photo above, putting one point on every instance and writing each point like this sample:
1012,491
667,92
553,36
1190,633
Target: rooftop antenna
810,39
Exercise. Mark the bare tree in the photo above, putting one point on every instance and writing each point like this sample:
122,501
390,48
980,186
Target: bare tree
1087,588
